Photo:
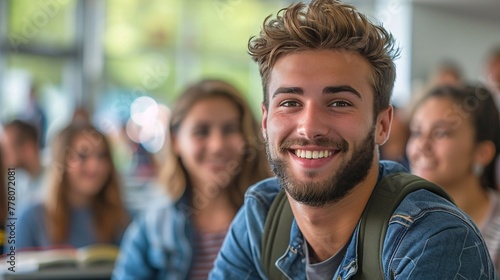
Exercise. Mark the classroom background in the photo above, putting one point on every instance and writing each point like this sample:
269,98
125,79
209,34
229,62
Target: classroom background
120,64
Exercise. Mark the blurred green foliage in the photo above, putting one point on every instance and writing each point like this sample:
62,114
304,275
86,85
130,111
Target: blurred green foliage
181,41
154,47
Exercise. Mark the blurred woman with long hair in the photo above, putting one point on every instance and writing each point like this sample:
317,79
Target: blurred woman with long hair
215,153
83,204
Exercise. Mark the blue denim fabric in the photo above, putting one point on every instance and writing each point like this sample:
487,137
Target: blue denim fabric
427,238
157,245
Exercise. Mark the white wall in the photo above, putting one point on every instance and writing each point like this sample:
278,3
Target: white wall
395,16
461,31
439,34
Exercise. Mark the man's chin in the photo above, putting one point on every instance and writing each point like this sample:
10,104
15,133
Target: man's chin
309,178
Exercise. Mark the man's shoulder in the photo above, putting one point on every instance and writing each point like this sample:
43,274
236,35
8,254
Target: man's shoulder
387,167
423,208
423,199
423,195
417,200
426,226
264,192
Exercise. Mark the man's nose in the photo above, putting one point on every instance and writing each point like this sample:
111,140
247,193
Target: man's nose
313,122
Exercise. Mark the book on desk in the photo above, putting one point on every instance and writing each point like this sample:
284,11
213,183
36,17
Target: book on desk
90,262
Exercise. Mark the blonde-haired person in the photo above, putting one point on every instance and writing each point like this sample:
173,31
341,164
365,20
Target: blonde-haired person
83,204
215,154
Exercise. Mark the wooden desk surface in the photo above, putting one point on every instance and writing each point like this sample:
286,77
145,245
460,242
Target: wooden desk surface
98,273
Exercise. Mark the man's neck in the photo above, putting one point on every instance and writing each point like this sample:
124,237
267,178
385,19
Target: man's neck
327,229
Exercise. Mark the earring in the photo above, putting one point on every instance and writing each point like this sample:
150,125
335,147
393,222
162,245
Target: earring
477,169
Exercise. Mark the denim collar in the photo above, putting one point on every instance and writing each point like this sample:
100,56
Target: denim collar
291,263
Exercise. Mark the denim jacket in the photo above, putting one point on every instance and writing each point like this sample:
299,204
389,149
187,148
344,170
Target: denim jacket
157,245
427,238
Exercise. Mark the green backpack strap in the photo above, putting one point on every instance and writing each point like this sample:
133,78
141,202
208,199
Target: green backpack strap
276,236
385,198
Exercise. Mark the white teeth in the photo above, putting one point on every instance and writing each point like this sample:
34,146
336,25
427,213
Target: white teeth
315,154
312,154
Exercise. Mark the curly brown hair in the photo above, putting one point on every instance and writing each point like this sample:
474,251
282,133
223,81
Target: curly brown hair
327,25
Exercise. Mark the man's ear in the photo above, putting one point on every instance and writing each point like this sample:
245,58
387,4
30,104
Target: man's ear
383,126
264,120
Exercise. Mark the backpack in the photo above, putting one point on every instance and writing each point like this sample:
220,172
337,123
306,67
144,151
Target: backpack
385,198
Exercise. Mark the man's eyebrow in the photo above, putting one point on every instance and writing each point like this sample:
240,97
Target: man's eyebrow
295,90
328,89
335,89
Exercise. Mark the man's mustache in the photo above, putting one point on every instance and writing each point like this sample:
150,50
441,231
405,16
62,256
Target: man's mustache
331,143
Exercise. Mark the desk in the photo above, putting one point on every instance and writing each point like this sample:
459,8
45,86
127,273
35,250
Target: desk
98,273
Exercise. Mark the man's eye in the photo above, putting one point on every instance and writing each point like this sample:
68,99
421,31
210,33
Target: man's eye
289,103
340,103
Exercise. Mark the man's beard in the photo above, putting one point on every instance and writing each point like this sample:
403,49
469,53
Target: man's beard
335,187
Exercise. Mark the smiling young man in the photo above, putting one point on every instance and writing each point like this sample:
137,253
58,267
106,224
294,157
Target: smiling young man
328,75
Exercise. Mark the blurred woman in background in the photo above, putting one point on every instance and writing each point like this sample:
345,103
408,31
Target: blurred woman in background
215,154
454,142
83,205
